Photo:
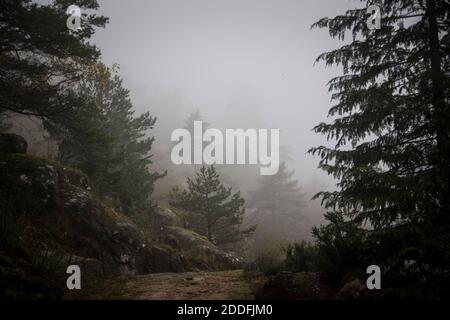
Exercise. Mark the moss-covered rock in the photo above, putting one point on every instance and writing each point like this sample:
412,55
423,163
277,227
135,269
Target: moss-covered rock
198,251
165,217
51,219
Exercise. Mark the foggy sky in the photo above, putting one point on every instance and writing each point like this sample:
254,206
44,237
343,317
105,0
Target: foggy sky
243,63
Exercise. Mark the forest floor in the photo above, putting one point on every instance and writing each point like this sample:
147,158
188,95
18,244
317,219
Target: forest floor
220,285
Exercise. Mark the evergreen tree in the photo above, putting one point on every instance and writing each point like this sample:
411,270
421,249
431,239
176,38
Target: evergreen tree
194,116
189,125
41,59
106,141
392,132
278,203
212,208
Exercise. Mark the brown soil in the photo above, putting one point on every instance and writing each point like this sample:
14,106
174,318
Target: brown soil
221,285
227,285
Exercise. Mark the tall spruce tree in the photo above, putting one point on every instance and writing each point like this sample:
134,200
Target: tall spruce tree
195,115
391,124
213,210
278,203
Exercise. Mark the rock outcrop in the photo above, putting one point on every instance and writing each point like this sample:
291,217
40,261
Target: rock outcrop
55,211
165,217
200,254
50,218
352,290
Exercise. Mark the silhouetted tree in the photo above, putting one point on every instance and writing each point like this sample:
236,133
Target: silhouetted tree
41,58
194,116
392,133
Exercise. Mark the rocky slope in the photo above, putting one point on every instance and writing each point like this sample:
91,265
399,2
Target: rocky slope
50,218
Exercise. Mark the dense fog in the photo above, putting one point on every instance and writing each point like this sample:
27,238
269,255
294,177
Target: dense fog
243,64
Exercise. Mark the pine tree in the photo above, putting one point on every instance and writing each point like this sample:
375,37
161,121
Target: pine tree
213,209
278,203
106,141
391,127
189,125
40,58
194,116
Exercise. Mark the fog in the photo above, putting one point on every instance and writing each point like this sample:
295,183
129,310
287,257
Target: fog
244,64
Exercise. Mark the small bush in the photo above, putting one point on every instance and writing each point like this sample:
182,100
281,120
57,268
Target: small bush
341,246
301,257
269,259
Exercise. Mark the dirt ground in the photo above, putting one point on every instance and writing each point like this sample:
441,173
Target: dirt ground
220,285
227,285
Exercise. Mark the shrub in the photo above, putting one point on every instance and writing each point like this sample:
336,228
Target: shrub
341,247
302,257
269,259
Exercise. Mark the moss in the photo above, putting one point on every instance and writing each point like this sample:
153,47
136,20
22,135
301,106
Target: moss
109,215
178,213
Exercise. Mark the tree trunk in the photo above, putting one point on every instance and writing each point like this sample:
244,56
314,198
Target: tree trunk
209,228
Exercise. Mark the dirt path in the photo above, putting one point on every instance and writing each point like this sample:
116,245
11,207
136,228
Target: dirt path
225,285
206,285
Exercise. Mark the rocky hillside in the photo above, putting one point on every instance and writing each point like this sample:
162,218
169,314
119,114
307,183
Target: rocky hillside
51,218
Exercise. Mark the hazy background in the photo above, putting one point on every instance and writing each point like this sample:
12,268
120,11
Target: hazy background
243,63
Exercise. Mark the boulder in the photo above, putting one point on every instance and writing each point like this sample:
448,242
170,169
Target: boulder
12,143
165,217
57,212
354,289
198,251
164,259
